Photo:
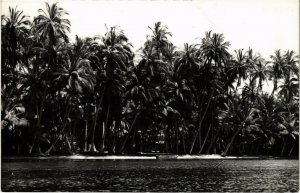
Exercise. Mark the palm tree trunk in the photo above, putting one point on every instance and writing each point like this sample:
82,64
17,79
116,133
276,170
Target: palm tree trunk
167,139
133,146
213,141
68,144
61,132
232,139
200,124
113,133
104,131
204,142
142,141
284,146
183,143
127,136
177,139
290,152
74,134
86,125
50,60
92,147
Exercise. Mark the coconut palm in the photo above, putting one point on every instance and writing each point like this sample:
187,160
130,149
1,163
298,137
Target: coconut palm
289,128
240,120
52,25
78,78
187,63
292,65
288,89
116,58
159,38
49,26
260,72
270,110
13,28
214,49
239,66
277,68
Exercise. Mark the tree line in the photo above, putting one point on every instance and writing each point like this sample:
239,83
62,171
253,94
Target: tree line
92,96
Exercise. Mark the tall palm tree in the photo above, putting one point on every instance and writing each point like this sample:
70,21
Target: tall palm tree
214,48
52,25
239,66
13,28
136,94
292,63
289,128
187,63
260,72
159,38
240,119
78,78
277,68
49,26
288,89
116,58
291,68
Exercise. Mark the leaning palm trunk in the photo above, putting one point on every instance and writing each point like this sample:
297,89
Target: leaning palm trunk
232,139
284,147
204,142
128,134
62,130
290,152
213,141
200,124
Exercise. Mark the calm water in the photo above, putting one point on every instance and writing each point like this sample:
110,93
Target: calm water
150,175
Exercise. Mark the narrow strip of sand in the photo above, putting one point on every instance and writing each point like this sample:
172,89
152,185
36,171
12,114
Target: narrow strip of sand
134,157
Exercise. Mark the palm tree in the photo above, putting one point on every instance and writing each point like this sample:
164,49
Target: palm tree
177,107
252,59
291,68
291,61
260,72
288,125
270,110
13,28
213,48
277,68
159,38
49,26
240,119
116,58
239,67
213,51
289,89
187,63
284,66
78,77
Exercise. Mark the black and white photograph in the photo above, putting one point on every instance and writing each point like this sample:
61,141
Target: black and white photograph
150,95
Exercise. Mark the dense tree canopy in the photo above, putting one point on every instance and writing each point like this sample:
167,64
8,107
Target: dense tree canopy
59,97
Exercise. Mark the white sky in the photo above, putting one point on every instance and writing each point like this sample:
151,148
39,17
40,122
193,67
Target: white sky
265,25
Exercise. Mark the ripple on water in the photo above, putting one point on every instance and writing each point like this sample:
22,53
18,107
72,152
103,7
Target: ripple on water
151,175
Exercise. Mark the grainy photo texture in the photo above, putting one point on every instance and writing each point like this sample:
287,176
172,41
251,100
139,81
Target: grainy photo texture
186,95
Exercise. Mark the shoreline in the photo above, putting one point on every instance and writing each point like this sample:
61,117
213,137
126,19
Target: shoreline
139,157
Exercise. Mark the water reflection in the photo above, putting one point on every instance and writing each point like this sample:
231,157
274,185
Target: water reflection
151,175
